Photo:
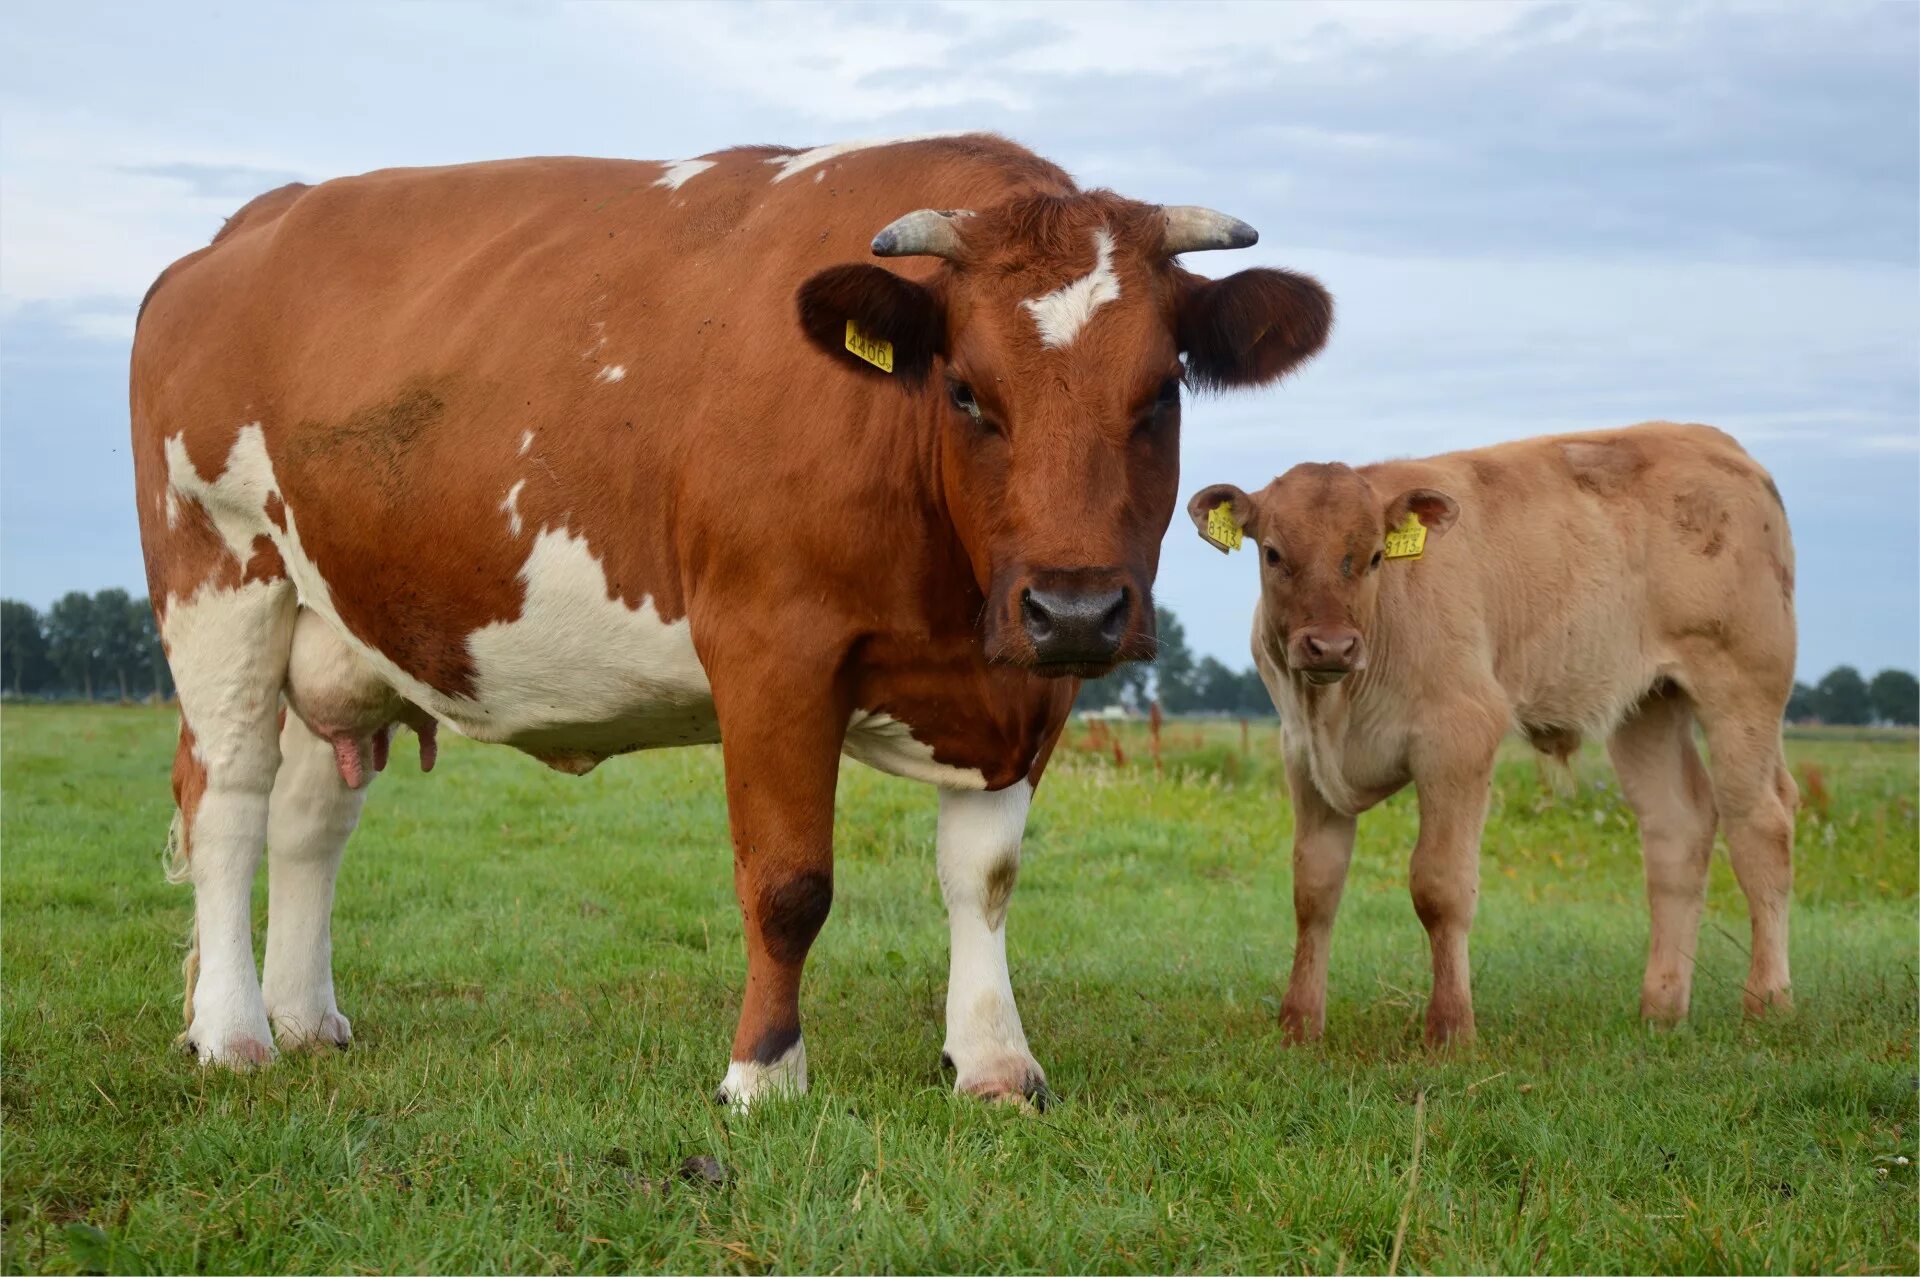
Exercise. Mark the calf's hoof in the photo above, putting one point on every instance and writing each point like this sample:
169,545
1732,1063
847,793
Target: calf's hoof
1771,1002
1449,1032
1301,1025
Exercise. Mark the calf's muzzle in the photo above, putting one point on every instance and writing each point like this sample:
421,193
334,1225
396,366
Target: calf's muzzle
1326,653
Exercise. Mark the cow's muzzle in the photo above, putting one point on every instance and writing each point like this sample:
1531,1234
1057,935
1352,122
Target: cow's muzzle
1326,654
1079,622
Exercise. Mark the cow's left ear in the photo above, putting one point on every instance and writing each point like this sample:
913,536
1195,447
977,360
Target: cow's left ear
1251,328
894,321
1221,513
1435,509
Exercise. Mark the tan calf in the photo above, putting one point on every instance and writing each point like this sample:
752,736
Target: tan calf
1618,584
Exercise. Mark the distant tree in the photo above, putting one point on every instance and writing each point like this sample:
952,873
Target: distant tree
1804,705
1896,697
23,647
71,638
1255,701
153,655
1173,673
1216,689
1842,697
118,642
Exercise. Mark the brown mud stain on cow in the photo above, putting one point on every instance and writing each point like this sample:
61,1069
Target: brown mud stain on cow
1603,467
1700,515
792,913
375,440
999,888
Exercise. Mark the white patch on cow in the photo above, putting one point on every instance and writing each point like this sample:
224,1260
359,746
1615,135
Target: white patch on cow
612,372
748,1081
511,506
577,669
821,176
979,854
173,507
228,651
888,745
526,441
1062,313
791,164
675,173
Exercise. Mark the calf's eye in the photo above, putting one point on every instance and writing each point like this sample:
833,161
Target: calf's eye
1375,561
962,396
1273,556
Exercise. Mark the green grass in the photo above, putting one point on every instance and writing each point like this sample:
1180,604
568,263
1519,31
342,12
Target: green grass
542,974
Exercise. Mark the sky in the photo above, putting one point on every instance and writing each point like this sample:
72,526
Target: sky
1533,217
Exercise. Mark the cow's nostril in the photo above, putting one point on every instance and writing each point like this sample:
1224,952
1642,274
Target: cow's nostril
1113,622
1315,648
1034,615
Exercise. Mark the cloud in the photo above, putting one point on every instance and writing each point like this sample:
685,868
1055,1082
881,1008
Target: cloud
238,182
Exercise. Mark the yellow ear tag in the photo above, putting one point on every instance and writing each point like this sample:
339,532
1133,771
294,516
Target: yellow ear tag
1409,540
872,349
1221,529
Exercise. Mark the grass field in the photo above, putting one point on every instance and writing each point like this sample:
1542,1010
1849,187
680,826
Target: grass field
542,975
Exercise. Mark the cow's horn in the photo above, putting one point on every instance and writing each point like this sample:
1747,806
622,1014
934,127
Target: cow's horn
927,232
1192,229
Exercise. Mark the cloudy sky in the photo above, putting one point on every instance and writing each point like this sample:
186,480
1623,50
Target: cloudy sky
1534,217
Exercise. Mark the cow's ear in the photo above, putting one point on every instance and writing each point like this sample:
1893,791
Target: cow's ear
1251,328
1222,514
1435,509
894,321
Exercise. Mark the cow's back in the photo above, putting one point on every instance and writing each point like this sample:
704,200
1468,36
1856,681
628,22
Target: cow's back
1586,567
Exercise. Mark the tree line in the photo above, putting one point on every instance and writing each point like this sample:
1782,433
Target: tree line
106,644
1844,698
86,645
1180,683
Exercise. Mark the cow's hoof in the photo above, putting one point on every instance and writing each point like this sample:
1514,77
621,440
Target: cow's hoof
240,1052
1760,1006
1010,1080
1300,1026
748,1082
313,1032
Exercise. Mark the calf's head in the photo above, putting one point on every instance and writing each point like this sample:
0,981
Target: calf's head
1048,339
1320,532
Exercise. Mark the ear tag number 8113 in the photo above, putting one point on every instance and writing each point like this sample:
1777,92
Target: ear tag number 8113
1221,528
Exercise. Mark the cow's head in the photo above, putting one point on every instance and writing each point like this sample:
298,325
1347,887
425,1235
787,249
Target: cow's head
1051,340
1320,532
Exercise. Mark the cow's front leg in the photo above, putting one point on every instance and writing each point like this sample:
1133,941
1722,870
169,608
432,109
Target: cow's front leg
1322,850
979,851
782,751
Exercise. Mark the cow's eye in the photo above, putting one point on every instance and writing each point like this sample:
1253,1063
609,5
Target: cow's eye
1375,561
1169,396
1273,556
962,396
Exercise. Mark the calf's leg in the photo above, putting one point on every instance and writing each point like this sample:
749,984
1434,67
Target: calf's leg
1670,793
979,854
1322,850
1756,798
312,814
1452,771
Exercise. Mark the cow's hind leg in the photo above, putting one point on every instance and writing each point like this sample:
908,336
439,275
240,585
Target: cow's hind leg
1663,780
227,646
313,813
979,854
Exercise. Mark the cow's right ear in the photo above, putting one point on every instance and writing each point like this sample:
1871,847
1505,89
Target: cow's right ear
1222,514
873,321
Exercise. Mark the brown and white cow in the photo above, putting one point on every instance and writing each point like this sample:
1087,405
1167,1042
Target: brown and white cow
536,449
1617,585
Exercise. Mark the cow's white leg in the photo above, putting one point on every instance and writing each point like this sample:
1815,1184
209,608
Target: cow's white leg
228,650
979,852
312,815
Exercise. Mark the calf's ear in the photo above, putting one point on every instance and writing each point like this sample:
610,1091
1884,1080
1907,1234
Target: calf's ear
1251,328
1435,509
895,321
1239,511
